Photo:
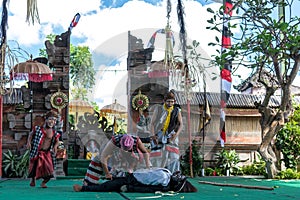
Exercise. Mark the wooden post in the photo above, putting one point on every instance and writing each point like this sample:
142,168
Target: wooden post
190,138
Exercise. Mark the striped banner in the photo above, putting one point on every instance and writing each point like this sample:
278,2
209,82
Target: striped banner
162,31
225,70
74,21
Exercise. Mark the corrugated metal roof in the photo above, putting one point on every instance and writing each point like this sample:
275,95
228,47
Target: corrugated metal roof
235,100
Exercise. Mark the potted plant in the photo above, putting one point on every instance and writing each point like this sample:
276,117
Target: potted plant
227,160
15,166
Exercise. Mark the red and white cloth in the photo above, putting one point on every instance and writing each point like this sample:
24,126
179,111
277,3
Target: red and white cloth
225,70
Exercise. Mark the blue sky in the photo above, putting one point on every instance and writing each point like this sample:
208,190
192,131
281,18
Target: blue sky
103,27
120,3
99,21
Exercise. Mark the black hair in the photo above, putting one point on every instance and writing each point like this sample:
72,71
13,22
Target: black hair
51,113
169,95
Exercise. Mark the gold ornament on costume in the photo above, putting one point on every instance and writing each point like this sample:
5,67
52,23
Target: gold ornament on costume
59,100
140,101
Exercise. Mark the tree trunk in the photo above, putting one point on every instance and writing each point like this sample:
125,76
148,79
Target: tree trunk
271,123
272,120
270,158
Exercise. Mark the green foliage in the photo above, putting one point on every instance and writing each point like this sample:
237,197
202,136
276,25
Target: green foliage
72,121
121,131
256,168
82,72
197,159
288,174
43,52
81,67
209,171
267,45
71,152
214,171
261,39
228,160
197,70
15,166
288,140
79,93
95,106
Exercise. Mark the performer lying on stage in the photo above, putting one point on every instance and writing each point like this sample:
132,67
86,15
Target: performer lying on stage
142,181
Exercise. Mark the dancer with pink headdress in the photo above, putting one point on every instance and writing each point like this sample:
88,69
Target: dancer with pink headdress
123,152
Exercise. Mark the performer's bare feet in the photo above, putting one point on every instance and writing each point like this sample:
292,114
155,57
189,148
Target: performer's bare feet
77,188
85,183
32,183
43,185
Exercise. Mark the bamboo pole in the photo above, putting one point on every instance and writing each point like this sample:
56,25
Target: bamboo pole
237,185
190,139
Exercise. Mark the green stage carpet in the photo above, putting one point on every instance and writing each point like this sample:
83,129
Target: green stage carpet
222,188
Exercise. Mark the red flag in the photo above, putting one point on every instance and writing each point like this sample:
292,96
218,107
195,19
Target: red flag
225,70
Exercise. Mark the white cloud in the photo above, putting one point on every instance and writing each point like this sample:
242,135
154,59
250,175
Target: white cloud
106,31
100,27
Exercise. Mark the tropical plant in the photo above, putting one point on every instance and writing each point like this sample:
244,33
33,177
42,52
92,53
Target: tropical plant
209,171
197,159
15,166
288,140
196,67
288,174
79,93
214,171
258,167
81,67
71,152
267,44
227,160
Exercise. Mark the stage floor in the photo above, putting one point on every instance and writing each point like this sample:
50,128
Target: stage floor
208,188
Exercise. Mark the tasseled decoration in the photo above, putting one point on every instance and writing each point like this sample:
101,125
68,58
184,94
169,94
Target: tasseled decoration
3,47
32,12
169,8
3,22
182,33
183,44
